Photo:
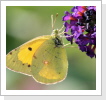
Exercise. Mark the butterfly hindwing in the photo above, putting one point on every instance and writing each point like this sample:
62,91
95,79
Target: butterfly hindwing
49,64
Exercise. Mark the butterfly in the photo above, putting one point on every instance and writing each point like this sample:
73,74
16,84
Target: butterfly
44,58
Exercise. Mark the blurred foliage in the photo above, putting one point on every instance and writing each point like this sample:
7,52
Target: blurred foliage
26,22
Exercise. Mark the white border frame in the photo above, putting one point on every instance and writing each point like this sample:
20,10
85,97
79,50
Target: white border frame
1,97
50,92
103,1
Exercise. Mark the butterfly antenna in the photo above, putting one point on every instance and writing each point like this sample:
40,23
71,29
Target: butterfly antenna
61,28
53,21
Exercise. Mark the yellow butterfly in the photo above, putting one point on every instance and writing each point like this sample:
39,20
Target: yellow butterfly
44,58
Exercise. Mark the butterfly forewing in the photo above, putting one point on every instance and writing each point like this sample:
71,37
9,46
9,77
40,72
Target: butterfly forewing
20,59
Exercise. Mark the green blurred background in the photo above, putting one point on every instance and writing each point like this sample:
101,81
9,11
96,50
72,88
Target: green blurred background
26,22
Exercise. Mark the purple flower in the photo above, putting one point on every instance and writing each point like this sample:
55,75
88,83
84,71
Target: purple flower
68,26
78,11
69,37
91,7
81,23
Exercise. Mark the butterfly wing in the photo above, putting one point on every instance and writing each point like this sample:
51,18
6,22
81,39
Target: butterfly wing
20,59
50,63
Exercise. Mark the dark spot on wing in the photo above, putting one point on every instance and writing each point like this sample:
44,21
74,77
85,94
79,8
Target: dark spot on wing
35,57
59,72
13,61
29,65
10,53
29,48
48,51
15,49
58,52
22,64
55,56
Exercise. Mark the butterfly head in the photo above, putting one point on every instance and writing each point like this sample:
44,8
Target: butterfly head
56,33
